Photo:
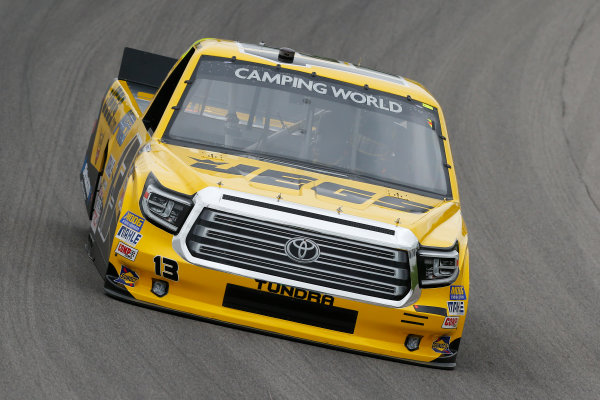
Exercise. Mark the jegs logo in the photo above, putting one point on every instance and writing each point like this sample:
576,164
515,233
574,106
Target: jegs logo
327,189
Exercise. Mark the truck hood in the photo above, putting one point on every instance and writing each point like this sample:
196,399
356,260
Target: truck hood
189,170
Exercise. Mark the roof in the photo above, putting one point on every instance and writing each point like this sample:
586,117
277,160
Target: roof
328,67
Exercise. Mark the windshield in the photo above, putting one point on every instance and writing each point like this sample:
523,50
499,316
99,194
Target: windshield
275,112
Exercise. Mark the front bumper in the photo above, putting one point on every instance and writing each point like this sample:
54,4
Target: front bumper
442,361
294,311
377,330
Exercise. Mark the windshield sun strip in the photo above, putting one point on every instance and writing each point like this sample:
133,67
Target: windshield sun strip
305,164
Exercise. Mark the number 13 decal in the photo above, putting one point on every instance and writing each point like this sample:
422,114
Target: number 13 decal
166,267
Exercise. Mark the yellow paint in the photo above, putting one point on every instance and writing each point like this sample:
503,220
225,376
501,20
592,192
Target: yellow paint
199,290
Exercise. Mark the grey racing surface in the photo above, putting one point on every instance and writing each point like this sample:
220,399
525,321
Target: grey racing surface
519,84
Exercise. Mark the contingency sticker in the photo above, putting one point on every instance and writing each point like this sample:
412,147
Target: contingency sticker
96,215
98,205
128,252
457,292
124,126
127,277
456,307
110,164
450,323
132,221
86,181
129,236
442,345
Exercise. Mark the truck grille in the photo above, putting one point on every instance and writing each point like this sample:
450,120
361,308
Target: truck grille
259,246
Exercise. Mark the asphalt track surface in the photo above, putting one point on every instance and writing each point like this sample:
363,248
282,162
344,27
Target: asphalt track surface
519,84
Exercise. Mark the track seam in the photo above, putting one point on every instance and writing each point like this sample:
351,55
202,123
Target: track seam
564,104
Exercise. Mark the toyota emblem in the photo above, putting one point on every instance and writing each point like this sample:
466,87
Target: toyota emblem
302,250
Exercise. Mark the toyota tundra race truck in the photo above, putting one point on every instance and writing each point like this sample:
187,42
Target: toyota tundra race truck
284,193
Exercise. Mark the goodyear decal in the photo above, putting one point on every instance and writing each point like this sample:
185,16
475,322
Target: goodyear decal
127,277
442,345
457,292
132,221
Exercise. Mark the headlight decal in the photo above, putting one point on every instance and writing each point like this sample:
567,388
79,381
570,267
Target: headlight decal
438,267
163,207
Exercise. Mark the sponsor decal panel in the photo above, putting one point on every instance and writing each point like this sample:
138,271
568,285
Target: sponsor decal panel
100,140
450,323
456,307
132,221
98,205
338,92
129,236
442,345
95,219
127,277
86,181
295,292
124,126
128,252
111,104
110,164
457,292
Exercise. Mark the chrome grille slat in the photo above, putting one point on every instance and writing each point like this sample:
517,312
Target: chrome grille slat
250,240
325,258
285,232
350,263
227,255
259,246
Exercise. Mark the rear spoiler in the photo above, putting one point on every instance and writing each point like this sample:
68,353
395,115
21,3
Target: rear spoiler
144,68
